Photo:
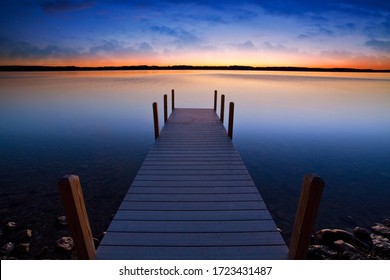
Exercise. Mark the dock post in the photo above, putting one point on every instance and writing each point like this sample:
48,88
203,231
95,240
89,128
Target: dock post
76,215
165,108
231,117
309,202
155,118
215,100
222,107
173,99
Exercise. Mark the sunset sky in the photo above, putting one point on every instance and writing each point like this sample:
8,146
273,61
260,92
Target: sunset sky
326,33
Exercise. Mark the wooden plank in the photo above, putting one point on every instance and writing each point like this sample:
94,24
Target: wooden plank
264,238
208,163
191,197
174,172
193,253
246,183
305,217
193,215
215,177
195,159
201,184
192,226
193,154
192,206
76,214
190,167
208,190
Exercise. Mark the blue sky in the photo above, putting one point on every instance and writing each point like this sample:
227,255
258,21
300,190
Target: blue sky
260,33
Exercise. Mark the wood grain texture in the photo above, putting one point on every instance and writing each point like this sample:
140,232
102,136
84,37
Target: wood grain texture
193,198
77,217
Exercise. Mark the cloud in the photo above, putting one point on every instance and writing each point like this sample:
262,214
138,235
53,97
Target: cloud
9,48
316,30
108,47
164,30
341,54
25,50
145,47
348,27
113,47
380,45
208,18
60,6
180,38
246,46
304,36
274,47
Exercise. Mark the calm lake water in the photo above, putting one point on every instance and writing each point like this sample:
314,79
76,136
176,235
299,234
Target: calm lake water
98,125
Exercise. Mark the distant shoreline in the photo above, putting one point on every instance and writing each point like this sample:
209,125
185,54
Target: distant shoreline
20,68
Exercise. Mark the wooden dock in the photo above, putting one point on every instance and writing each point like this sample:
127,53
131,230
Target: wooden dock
193,198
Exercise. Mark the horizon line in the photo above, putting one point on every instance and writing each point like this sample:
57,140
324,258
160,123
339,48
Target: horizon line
184,67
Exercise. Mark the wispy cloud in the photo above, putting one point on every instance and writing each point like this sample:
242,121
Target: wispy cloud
246,46
317,30
180,38
348,27
9,48
59,6
164,30
340,54
25,50
380,45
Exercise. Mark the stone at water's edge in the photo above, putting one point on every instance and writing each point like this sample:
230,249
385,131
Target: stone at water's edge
329,236
342,246
10,226
8,248
321,252
61,221
381,243
65,243
381,229
363,235
336,244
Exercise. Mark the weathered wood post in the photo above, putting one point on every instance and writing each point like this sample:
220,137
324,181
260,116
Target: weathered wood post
76,214
165,108
155,118
231,117
215,100
222,107
309,202
173,99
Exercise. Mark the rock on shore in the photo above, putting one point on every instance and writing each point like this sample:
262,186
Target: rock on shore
361,244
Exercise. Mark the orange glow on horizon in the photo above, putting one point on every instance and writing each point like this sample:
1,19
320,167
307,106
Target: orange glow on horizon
215,59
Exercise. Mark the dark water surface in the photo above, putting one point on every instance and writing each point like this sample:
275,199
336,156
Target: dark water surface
98,125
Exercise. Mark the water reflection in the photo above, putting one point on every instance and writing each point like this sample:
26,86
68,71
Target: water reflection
99,126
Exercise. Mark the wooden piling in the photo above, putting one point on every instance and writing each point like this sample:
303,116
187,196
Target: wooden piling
173,99
309,202
231,117
165,108
155,119
76,215
222,107
215,100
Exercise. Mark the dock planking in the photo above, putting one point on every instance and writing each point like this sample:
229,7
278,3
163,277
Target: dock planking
193,198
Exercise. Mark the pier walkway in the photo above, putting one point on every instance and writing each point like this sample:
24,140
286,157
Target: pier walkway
193,198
